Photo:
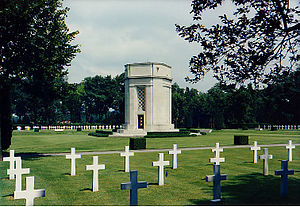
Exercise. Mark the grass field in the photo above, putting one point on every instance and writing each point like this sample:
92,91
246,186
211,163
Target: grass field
50,141
185,186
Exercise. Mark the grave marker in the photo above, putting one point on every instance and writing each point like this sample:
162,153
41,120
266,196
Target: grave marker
254,148
73,156
11,159
284,172
95,167
18,171
216,178
160,164
265,157
290,147
174,152
217,158
126,155
30,193
133,186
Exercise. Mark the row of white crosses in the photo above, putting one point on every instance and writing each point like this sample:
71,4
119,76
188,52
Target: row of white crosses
217,177
19,128
160,163
284,172
16,171
95,167
265,157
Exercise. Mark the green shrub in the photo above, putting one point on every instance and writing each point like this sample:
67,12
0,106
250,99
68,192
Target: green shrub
203,133
240,140
98,134
168,134
36,129
79,129
245,128
104,132
137,143
273,128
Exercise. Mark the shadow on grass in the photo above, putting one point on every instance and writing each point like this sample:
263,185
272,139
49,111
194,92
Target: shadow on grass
9,195
152,183
87,190
257,189
207,202
27,155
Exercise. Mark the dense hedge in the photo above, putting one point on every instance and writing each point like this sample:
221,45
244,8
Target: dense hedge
104,132
189,130
168,134
240,140
98,134
137,143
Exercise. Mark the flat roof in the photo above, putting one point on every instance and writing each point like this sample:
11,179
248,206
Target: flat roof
149,63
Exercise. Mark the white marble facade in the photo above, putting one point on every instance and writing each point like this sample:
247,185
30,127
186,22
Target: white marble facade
148,99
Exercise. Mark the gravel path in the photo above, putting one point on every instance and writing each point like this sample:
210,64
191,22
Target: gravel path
145,150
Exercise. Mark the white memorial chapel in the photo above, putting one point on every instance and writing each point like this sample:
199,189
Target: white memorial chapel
148,99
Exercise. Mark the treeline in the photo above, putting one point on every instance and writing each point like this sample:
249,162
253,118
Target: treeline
101,100
95,100
228,107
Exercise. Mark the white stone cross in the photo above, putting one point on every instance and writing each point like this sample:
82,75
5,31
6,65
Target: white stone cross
217,158
11,159
18,171
29,194
290,146
284,172
95,167
216,178
160,164
174,152
254,148
265,157
126,155
73,156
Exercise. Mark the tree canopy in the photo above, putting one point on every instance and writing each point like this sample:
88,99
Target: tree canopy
255,46
35,50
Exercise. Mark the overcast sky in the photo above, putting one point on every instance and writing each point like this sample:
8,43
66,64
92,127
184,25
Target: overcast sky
117,32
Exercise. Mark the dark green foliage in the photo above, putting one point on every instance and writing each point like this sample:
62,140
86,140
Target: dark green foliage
98,134
79,129
273,128
137,143
167,134
35,50
104,132
240,140
102,93
36,130
254,44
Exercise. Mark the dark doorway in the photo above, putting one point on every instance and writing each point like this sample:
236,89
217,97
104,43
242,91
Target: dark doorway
141,121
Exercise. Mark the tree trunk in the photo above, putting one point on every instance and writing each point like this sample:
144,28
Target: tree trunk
1,154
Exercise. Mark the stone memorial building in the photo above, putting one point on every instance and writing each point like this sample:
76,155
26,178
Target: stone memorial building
148,99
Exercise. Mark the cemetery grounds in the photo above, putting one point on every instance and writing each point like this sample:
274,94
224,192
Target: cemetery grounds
186,185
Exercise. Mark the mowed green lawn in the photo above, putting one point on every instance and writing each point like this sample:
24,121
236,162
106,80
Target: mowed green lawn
50,141
184,186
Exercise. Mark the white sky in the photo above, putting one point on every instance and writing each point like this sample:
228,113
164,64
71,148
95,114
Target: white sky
117,32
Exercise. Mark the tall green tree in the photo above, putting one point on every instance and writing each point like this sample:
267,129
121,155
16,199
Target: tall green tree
256,45
102,94
73,101
35,45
